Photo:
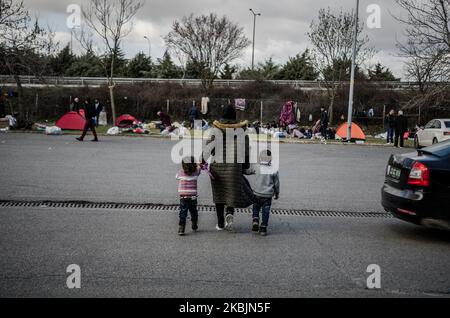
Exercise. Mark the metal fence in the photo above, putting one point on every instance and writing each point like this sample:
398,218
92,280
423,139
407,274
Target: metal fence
32,81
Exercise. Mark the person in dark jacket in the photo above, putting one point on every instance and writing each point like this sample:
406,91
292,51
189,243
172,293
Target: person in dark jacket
165,120
193,115
230,187
2,106
390,123
90,114
229,113
76,105
98,109
324,122
401,127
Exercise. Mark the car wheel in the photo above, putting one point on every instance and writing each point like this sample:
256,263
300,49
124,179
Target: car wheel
435,141
416,142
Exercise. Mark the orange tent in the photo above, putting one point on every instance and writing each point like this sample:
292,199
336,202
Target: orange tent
357,132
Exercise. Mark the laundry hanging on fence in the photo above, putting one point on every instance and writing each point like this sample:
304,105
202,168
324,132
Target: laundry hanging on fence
240,104
205,102
298,113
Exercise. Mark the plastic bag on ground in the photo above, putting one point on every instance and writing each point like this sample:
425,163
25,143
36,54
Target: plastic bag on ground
53,131
113,131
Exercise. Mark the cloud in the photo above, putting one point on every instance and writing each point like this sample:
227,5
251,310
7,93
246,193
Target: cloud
281,29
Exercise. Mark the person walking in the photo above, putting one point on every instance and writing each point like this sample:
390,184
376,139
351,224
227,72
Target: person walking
266,188
187,189
390,123
230,187
401,127
90,114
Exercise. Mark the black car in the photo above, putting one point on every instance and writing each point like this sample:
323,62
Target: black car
417,186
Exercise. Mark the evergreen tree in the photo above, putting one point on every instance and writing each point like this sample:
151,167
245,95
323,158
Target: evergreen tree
61,62
228,72
380,74
166,68
140,66
86,65
299,67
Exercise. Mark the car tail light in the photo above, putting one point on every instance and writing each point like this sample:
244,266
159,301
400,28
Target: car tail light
419,175
446,133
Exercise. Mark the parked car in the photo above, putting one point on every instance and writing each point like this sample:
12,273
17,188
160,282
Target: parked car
417,186
436,131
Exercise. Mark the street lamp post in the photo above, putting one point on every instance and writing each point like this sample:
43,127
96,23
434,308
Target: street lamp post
254,33
149,46
352,77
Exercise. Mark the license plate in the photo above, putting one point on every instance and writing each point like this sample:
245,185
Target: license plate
394,173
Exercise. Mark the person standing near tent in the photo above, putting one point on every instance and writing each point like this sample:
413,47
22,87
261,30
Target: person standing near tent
90,114
324,122
401,127
76,105
98,110
390,123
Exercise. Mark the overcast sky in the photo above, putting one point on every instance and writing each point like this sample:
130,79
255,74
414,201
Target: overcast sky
280,33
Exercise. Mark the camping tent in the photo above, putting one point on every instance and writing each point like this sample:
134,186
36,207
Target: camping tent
357,132
71,121
126,121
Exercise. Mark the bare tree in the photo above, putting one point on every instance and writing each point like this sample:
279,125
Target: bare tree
107,23
24,45
331,36
427,49
209,42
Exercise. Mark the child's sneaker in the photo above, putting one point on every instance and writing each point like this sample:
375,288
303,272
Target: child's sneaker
181,230
255,227
229,220
195,226
263,231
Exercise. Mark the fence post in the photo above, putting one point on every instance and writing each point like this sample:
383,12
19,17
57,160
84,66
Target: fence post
262,112
168,106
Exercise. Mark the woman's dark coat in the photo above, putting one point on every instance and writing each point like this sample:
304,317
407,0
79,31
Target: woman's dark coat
229,185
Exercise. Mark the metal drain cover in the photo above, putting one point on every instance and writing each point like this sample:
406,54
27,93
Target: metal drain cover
174,208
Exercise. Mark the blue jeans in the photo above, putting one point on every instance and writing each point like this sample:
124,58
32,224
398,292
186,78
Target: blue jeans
390,135
188,205
262,205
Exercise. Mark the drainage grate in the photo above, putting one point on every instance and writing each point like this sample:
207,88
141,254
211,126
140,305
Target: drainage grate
174,208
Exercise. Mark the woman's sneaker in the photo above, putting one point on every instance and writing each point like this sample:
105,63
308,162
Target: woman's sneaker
218,228
181,230
229,220
255,227
263,231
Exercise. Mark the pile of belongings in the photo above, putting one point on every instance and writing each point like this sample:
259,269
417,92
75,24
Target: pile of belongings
138,129
176,130
4,124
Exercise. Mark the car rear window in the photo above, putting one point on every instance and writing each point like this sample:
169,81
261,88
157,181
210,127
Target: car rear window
441,150
447,124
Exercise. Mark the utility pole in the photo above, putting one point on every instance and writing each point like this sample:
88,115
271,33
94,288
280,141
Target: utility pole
254,34
352,77
149,46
